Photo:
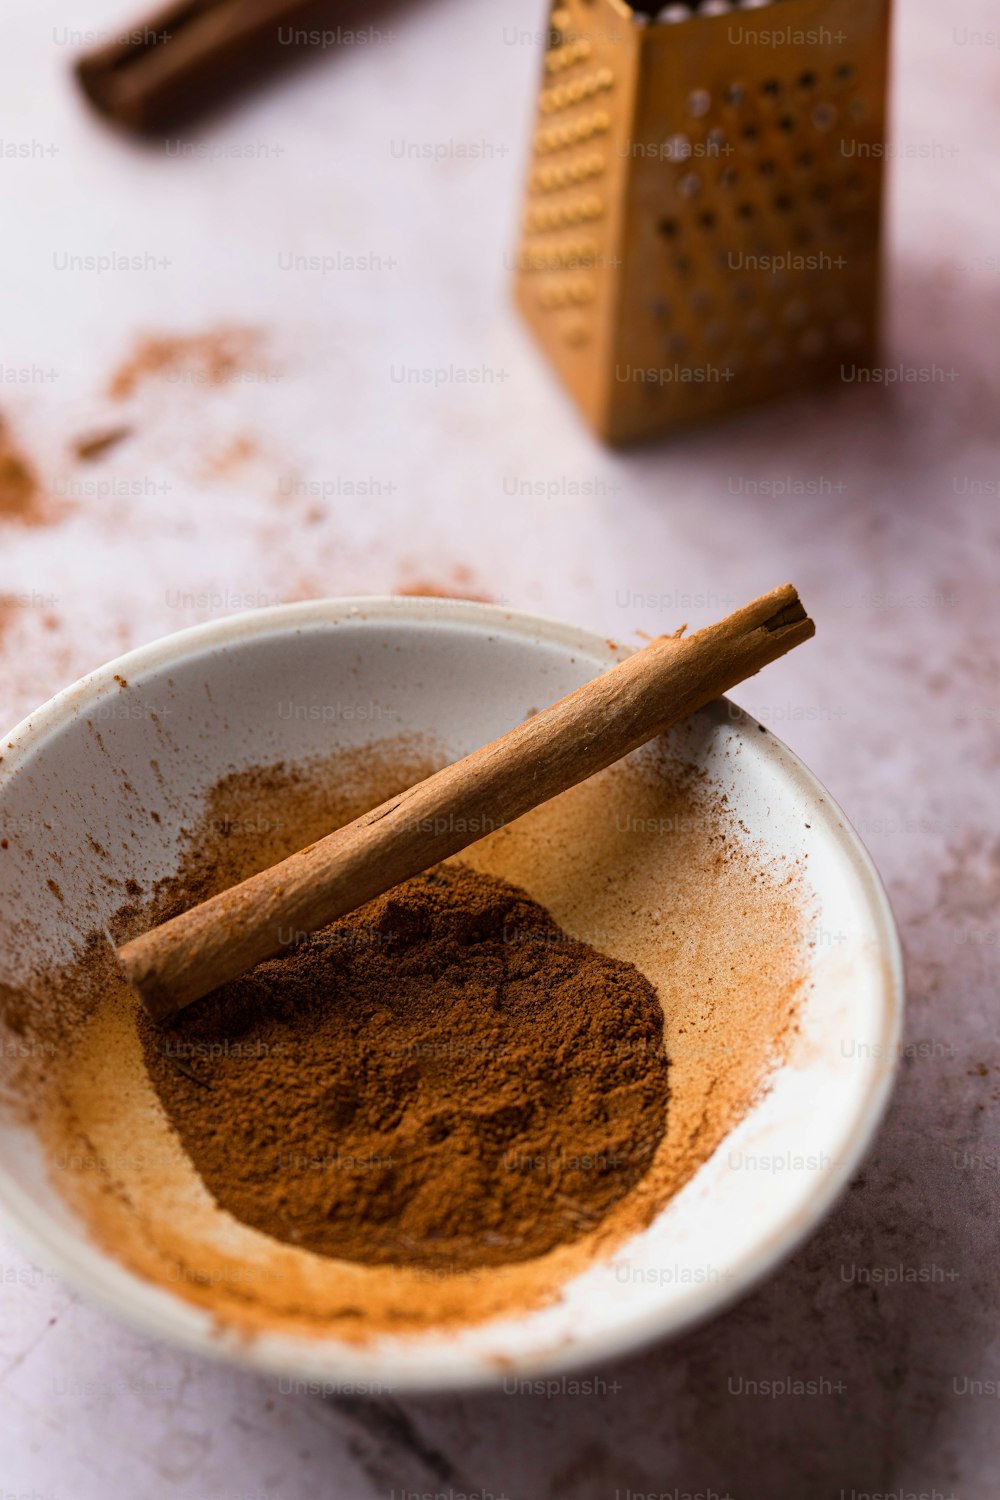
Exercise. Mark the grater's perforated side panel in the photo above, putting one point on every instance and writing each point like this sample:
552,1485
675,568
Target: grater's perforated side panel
752,240
736,212
568,262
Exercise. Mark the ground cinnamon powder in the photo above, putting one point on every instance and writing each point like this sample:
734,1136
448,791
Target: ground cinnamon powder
444,1078
213,357
20,492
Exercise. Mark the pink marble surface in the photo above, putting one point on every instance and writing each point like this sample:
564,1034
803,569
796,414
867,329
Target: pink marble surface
881,505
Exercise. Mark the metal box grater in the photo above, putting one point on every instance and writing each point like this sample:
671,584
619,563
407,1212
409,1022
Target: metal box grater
703,208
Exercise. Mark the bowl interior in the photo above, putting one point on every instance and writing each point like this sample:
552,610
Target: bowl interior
153,733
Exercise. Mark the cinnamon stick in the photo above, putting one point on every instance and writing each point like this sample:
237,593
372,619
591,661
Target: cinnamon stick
579,735
189,55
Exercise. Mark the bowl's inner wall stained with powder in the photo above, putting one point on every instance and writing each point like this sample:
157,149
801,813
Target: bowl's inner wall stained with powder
642,862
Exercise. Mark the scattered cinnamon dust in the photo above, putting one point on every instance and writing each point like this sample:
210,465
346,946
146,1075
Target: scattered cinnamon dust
211,358
96,444
462,585
427,590
10,608
233,457
20,491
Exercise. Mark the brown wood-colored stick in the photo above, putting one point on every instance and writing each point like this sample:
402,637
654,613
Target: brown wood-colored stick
583,733
189,55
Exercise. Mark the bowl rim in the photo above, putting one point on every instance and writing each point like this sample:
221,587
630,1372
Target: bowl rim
84,1266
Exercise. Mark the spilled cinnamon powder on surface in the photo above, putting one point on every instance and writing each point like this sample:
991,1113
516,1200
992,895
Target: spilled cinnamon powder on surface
21,498
460,584
233,457
642,862
211,358
425,589
94,445
10,608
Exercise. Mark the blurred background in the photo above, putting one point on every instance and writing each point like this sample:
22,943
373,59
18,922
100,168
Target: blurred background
275,357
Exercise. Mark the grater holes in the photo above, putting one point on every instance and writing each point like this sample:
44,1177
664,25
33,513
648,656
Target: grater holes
783,319
674,14
566,54
576,333
557,295
772,181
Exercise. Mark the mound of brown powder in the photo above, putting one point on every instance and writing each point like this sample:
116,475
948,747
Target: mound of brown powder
444,1078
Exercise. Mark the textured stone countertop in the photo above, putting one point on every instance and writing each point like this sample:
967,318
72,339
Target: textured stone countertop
881,505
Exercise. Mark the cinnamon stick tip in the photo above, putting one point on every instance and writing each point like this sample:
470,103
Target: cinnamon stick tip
97,85
158,1004
790,612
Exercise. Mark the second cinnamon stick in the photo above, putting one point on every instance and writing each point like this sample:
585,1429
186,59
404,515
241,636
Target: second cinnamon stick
190,55
578,736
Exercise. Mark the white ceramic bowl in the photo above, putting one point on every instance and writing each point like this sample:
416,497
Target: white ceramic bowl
464,673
